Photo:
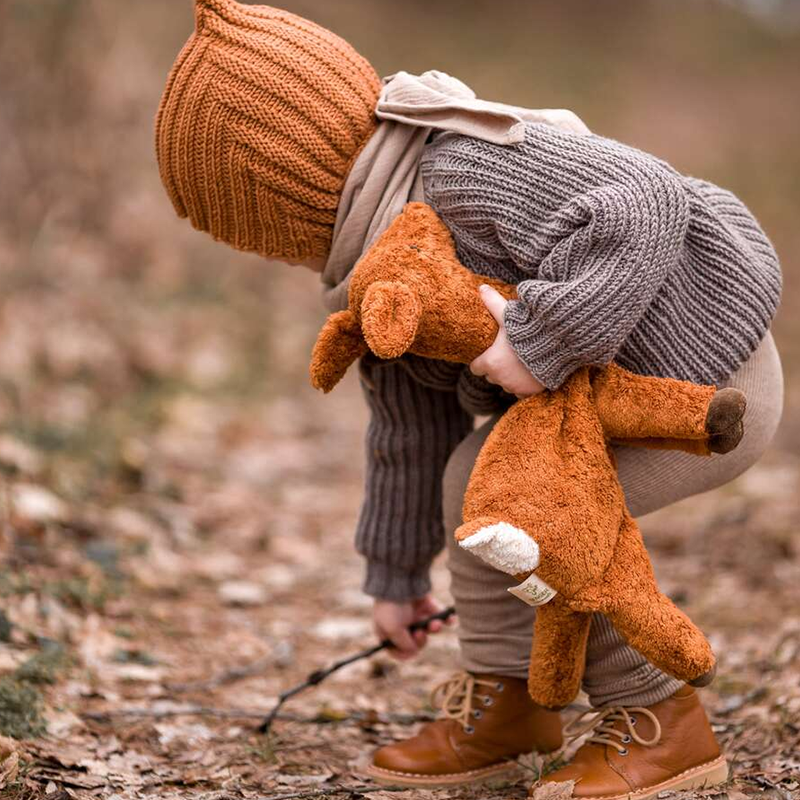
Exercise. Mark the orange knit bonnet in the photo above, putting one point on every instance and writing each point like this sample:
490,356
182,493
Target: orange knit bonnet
261,118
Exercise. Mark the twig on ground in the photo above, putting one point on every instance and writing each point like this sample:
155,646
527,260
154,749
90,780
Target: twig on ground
319,675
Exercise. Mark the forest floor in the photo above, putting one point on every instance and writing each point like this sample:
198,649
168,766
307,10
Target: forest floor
142,639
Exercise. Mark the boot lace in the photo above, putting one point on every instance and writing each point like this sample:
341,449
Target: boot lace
601,724
456,697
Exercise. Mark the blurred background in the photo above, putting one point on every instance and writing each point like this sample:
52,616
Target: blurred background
169,477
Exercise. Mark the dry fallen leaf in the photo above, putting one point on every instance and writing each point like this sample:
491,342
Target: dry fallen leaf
37,503
336,628
9,761
553,791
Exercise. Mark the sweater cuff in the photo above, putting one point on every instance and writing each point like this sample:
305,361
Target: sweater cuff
479,397
388,582
549,360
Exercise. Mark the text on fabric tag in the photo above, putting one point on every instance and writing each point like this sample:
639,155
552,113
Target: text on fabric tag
533,591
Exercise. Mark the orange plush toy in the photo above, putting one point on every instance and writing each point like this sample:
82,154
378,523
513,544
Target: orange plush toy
543,502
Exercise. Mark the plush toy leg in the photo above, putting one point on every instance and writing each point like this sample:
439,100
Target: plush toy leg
642,407
338,345
695,447
724,428
558,655
647,619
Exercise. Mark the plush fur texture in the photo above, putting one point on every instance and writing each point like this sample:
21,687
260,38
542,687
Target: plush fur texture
408,293
504,547
547,470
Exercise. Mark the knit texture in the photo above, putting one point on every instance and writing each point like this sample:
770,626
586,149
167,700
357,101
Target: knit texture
620,675
615,256
412,432
261,118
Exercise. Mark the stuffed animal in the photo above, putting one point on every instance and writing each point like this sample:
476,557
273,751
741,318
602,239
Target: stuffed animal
543,502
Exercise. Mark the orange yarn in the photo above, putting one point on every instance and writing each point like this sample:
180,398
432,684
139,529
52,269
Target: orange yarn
262,115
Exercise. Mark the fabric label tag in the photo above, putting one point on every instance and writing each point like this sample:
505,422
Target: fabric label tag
533,591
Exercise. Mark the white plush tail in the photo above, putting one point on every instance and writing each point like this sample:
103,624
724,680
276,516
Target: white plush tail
504,547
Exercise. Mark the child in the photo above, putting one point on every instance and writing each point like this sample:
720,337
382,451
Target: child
275,136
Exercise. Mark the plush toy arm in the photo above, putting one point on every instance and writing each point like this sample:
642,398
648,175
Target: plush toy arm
338,345
695,447
667,414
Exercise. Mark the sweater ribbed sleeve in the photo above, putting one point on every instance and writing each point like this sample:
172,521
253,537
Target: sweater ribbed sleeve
615,255
413,429
620,242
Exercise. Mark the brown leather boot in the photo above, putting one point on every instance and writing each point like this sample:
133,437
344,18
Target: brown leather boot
486,722
635,753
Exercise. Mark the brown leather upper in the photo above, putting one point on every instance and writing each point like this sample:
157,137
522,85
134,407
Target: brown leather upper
508,723
686,741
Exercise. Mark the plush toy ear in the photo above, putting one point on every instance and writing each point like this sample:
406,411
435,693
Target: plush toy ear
338,345
390,315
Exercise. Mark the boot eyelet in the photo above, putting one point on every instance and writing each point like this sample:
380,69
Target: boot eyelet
477,714
624,752
633,720
499,686
626,739
488,701
469,729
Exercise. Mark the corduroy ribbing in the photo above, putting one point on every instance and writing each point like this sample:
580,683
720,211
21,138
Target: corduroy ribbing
620,675
412,432
616,255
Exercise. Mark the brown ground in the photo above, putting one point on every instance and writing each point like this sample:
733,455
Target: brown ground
176,501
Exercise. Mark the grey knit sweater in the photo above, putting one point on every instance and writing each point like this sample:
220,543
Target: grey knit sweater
615,256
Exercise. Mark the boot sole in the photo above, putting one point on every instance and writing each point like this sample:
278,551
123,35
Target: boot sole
390,777
714,773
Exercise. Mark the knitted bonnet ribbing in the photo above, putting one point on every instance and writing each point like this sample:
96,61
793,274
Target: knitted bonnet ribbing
262,115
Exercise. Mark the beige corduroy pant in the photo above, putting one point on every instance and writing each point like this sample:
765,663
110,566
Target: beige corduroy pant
496,628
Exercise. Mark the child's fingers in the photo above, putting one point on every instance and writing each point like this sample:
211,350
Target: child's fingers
478,366
435,626
494,302
420,639
404,644
483,364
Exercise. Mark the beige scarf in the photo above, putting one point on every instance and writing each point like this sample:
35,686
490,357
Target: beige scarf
385,176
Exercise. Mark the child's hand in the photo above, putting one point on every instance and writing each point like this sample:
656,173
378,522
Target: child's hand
500,364
391,621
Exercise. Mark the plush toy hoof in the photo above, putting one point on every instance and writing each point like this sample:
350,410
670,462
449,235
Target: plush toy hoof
500,544
725,442
724,420
705,679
